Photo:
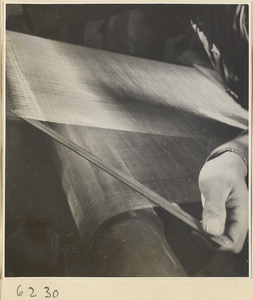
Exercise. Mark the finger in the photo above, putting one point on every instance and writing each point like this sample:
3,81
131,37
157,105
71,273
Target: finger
215,195
237,217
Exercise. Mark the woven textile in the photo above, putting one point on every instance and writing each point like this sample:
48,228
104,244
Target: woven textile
154,121
63,83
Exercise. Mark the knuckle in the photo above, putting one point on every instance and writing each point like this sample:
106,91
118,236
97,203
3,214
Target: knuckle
212,210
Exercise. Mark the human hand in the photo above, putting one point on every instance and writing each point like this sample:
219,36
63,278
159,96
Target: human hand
224,196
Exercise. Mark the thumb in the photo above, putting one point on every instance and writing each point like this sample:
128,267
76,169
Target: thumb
214,210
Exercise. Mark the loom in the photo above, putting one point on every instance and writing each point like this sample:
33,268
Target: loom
151,122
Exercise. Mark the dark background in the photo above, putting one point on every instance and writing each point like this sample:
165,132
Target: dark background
160,32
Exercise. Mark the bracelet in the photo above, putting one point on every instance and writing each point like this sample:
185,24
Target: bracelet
219,152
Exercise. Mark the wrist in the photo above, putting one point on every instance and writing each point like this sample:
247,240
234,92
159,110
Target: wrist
231,160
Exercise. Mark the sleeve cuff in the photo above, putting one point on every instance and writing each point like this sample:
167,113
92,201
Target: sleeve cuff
239,145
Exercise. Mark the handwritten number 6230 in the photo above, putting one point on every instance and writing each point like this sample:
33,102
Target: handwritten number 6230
49,294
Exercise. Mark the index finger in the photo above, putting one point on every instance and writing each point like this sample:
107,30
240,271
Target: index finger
237,220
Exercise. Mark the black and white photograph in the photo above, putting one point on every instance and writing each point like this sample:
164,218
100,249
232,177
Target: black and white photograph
126,140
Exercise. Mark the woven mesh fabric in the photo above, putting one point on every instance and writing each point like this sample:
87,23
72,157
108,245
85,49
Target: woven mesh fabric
154,121
63,83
